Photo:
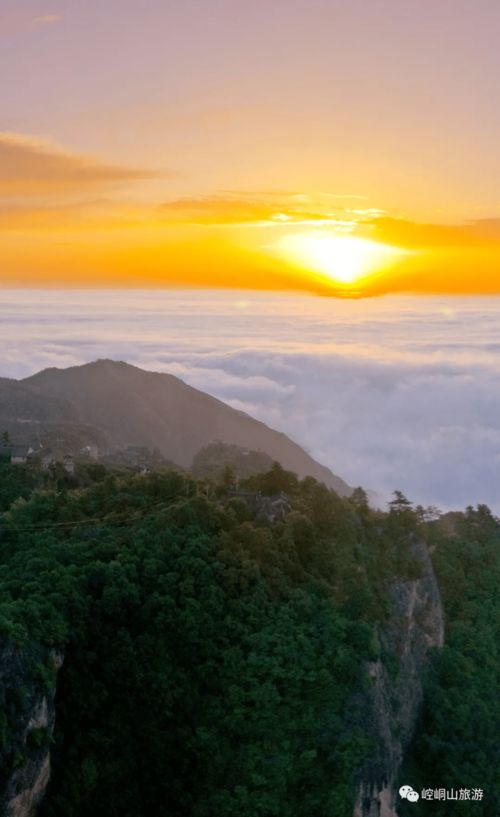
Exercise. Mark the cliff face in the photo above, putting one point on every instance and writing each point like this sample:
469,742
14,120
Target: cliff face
27,688
389,707
414,626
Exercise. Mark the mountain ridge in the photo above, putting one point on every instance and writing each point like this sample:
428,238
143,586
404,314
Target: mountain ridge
133,406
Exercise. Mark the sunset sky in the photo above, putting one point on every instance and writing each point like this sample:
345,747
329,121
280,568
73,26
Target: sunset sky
345,147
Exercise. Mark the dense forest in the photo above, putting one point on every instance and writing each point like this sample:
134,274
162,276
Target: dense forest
216,659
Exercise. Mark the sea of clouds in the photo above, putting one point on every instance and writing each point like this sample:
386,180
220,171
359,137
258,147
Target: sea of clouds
395,392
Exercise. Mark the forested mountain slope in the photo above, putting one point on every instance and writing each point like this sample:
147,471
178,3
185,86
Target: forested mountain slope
202,659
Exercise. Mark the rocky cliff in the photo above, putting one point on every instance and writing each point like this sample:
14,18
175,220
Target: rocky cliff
388,708
27,715
415,624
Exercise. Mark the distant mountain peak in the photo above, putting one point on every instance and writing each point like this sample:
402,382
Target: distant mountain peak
132,406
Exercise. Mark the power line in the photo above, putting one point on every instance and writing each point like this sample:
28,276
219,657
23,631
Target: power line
140,513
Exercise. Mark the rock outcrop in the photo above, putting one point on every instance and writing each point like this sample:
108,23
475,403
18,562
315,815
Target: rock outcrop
415,625
27,689
389,707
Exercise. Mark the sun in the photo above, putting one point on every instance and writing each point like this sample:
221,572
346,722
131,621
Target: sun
342,259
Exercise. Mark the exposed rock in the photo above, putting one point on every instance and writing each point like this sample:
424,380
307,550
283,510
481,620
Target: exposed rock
415,625
27,689
35,778
273,508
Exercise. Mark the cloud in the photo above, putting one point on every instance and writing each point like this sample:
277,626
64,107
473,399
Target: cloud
47,19
254,208
414,235
394,393
76,216
238,245
32,166
216,210
300,209
18,23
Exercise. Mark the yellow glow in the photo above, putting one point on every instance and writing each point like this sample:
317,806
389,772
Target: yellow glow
343,259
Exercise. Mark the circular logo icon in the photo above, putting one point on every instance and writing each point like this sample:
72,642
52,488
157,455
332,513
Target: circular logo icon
407,793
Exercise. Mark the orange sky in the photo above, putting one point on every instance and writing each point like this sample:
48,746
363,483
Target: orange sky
217,146
69,220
